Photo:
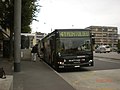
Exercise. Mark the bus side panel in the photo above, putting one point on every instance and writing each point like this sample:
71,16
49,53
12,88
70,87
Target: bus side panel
47,51
54,59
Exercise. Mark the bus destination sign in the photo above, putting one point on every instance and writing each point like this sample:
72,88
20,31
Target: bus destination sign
74,34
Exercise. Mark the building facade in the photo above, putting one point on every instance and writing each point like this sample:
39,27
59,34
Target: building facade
104,35
30,39
4,42
39,36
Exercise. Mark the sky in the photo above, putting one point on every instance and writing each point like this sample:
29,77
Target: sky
80,14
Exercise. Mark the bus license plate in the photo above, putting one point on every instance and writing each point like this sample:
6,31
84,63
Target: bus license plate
76,66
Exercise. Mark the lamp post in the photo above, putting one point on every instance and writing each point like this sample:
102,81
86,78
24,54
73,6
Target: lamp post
17,35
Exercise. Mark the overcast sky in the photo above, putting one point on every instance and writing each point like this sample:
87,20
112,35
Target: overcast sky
77,14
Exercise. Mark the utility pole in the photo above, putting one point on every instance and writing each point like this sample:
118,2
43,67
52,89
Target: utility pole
17,35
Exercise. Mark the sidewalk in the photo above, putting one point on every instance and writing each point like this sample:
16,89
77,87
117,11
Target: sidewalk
38,76
7,65
6,84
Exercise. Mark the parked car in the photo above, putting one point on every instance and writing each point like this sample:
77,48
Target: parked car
103,49
100,50
108,49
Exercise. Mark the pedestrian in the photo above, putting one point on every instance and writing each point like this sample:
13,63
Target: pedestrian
2,73
34,52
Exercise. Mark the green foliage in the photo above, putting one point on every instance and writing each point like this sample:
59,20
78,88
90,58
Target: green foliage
29,10
6,14
26,29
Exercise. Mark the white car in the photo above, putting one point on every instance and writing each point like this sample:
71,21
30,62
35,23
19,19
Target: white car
103,49
100,50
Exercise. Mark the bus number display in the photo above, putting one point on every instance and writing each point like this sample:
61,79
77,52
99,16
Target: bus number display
74,34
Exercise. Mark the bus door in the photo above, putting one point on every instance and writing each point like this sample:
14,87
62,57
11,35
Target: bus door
52,46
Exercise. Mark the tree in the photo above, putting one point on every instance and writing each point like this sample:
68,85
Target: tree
6,19
29,10
6,14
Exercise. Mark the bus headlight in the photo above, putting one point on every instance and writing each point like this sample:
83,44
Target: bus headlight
64,60
61,63
91,61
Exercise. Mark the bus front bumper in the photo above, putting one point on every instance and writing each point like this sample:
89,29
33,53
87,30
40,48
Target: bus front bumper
87,64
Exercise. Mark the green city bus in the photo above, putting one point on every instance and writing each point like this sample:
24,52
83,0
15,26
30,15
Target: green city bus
68,48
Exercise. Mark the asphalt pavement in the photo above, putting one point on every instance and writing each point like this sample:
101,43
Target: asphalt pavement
38,76
111,55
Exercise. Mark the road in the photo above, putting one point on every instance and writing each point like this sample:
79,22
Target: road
105,75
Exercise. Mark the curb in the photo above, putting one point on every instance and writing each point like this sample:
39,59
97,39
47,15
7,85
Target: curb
6,84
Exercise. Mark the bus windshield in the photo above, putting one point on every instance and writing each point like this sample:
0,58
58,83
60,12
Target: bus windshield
73,45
